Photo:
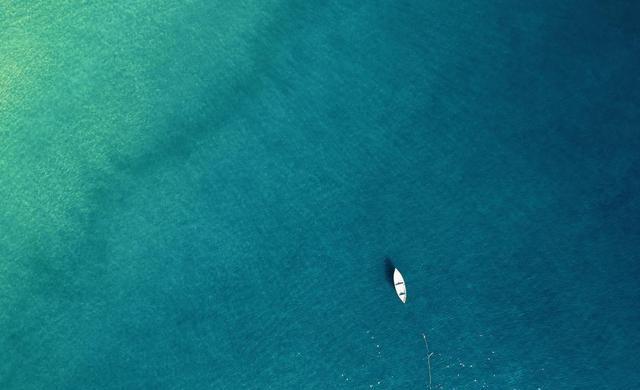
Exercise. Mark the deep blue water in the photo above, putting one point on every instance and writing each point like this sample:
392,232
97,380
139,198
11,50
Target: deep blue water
201,195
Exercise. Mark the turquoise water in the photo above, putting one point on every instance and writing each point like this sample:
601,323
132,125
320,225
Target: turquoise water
200,195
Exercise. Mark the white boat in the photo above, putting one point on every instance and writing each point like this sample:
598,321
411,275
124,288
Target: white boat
401,288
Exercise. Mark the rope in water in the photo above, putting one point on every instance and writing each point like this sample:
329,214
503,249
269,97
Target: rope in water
429,354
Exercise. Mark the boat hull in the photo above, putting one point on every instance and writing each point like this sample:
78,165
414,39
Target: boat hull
401,288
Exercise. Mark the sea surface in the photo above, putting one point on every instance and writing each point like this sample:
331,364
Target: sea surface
201,194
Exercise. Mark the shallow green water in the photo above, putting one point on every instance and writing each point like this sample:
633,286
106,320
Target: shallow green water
201,194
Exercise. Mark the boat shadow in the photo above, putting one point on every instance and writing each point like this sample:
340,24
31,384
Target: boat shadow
389,267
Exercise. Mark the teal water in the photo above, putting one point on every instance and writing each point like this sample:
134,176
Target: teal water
200,195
